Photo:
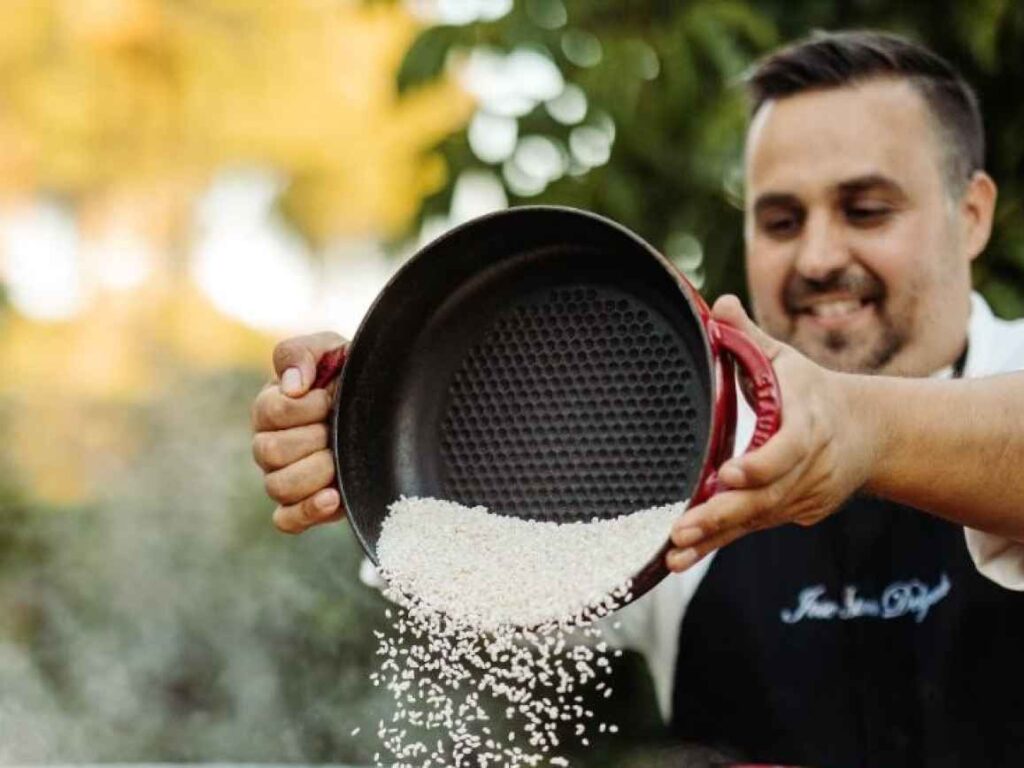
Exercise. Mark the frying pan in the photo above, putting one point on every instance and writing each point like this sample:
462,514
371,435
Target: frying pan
546,363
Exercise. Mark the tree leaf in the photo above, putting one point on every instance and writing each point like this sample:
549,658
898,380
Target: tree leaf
424,61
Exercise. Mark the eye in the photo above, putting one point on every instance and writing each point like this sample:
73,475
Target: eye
781,224
867,214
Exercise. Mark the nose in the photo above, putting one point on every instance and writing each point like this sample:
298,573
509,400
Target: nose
822,249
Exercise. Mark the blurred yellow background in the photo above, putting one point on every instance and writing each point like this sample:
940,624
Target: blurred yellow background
182,181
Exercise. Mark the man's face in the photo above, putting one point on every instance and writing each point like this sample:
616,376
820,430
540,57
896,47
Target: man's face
855,253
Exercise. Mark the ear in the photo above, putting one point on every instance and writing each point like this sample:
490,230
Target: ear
977,208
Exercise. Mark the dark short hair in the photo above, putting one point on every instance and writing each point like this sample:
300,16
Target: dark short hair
835,59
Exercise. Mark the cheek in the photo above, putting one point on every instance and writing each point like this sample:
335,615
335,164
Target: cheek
904,257
766,275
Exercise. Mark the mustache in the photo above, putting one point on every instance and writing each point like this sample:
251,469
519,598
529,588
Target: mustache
799,291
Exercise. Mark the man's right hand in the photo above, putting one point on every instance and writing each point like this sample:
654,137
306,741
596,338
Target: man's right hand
290,436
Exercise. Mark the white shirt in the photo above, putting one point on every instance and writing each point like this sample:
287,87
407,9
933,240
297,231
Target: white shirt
651,624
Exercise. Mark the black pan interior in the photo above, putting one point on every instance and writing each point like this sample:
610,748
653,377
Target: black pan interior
543,365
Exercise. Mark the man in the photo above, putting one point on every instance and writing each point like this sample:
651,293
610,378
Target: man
865,635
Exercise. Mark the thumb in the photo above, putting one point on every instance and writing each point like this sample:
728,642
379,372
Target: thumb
295,360
729,310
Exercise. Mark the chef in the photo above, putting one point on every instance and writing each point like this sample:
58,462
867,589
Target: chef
886,626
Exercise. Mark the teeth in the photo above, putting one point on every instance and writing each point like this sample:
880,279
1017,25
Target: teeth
835,308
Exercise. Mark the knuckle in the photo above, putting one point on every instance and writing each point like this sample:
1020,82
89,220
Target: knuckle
294,352
275,486
277,411
713,523
333,340
254,411
752,523
261,408
286,352
756,470
325,463
319,435
267,449
325,475
321,404
259,450
818,440
811,417
773,497
308,512
821,426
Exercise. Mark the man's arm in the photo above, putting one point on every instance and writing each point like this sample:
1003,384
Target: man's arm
952,448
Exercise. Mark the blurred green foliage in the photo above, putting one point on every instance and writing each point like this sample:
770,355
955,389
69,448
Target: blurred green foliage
167,621
674,175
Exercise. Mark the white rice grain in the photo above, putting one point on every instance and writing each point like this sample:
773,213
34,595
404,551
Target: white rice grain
489,570
497,613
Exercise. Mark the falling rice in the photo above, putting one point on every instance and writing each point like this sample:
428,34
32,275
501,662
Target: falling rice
497,610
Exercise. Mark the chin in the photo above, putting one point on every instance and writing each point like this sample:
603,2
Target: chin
840,352
848,363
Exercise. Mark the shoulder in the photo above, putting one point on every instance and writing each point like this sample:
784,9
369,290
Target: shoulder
995,345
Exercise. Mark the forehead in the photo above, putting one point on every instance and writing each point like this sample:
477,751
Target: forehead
809,143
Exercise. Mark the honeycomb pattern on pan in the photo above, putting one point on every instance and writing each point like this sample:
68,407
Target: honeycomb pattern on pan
578,402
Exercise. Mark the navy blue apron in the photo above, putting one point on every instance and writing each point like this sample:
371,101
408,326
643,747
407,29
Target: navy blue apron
869,639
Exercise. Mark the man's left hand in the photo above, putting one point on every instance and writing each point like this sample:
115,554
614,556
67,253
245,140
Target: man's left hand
821,455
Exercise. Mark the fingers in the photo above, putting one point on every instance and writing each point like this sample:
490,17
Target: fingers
692,548
295,360
725,517
765,465
679,560
274,410
726,511
274,450
305,477
719,521
728,310
322,507
290,443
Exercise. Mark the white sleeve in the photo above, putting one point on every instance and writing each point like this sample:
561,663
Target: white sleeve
999,559
996,346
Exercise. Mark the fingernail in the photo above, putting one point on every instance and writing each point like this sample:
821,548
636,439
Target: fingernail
291,381
680,561
326,500
687,537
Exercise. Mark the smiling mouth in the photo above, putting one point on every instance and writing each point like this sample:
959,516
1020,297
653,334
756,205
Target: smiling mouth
834,310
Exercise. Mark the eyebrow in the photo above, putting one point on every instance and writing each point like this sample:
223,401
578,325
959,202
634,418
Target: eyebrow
848,188
776,200
869,182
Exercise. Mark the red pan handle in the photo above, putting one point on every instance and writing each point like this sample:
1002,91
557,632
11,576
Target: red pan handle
327,369
764,393
330,366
